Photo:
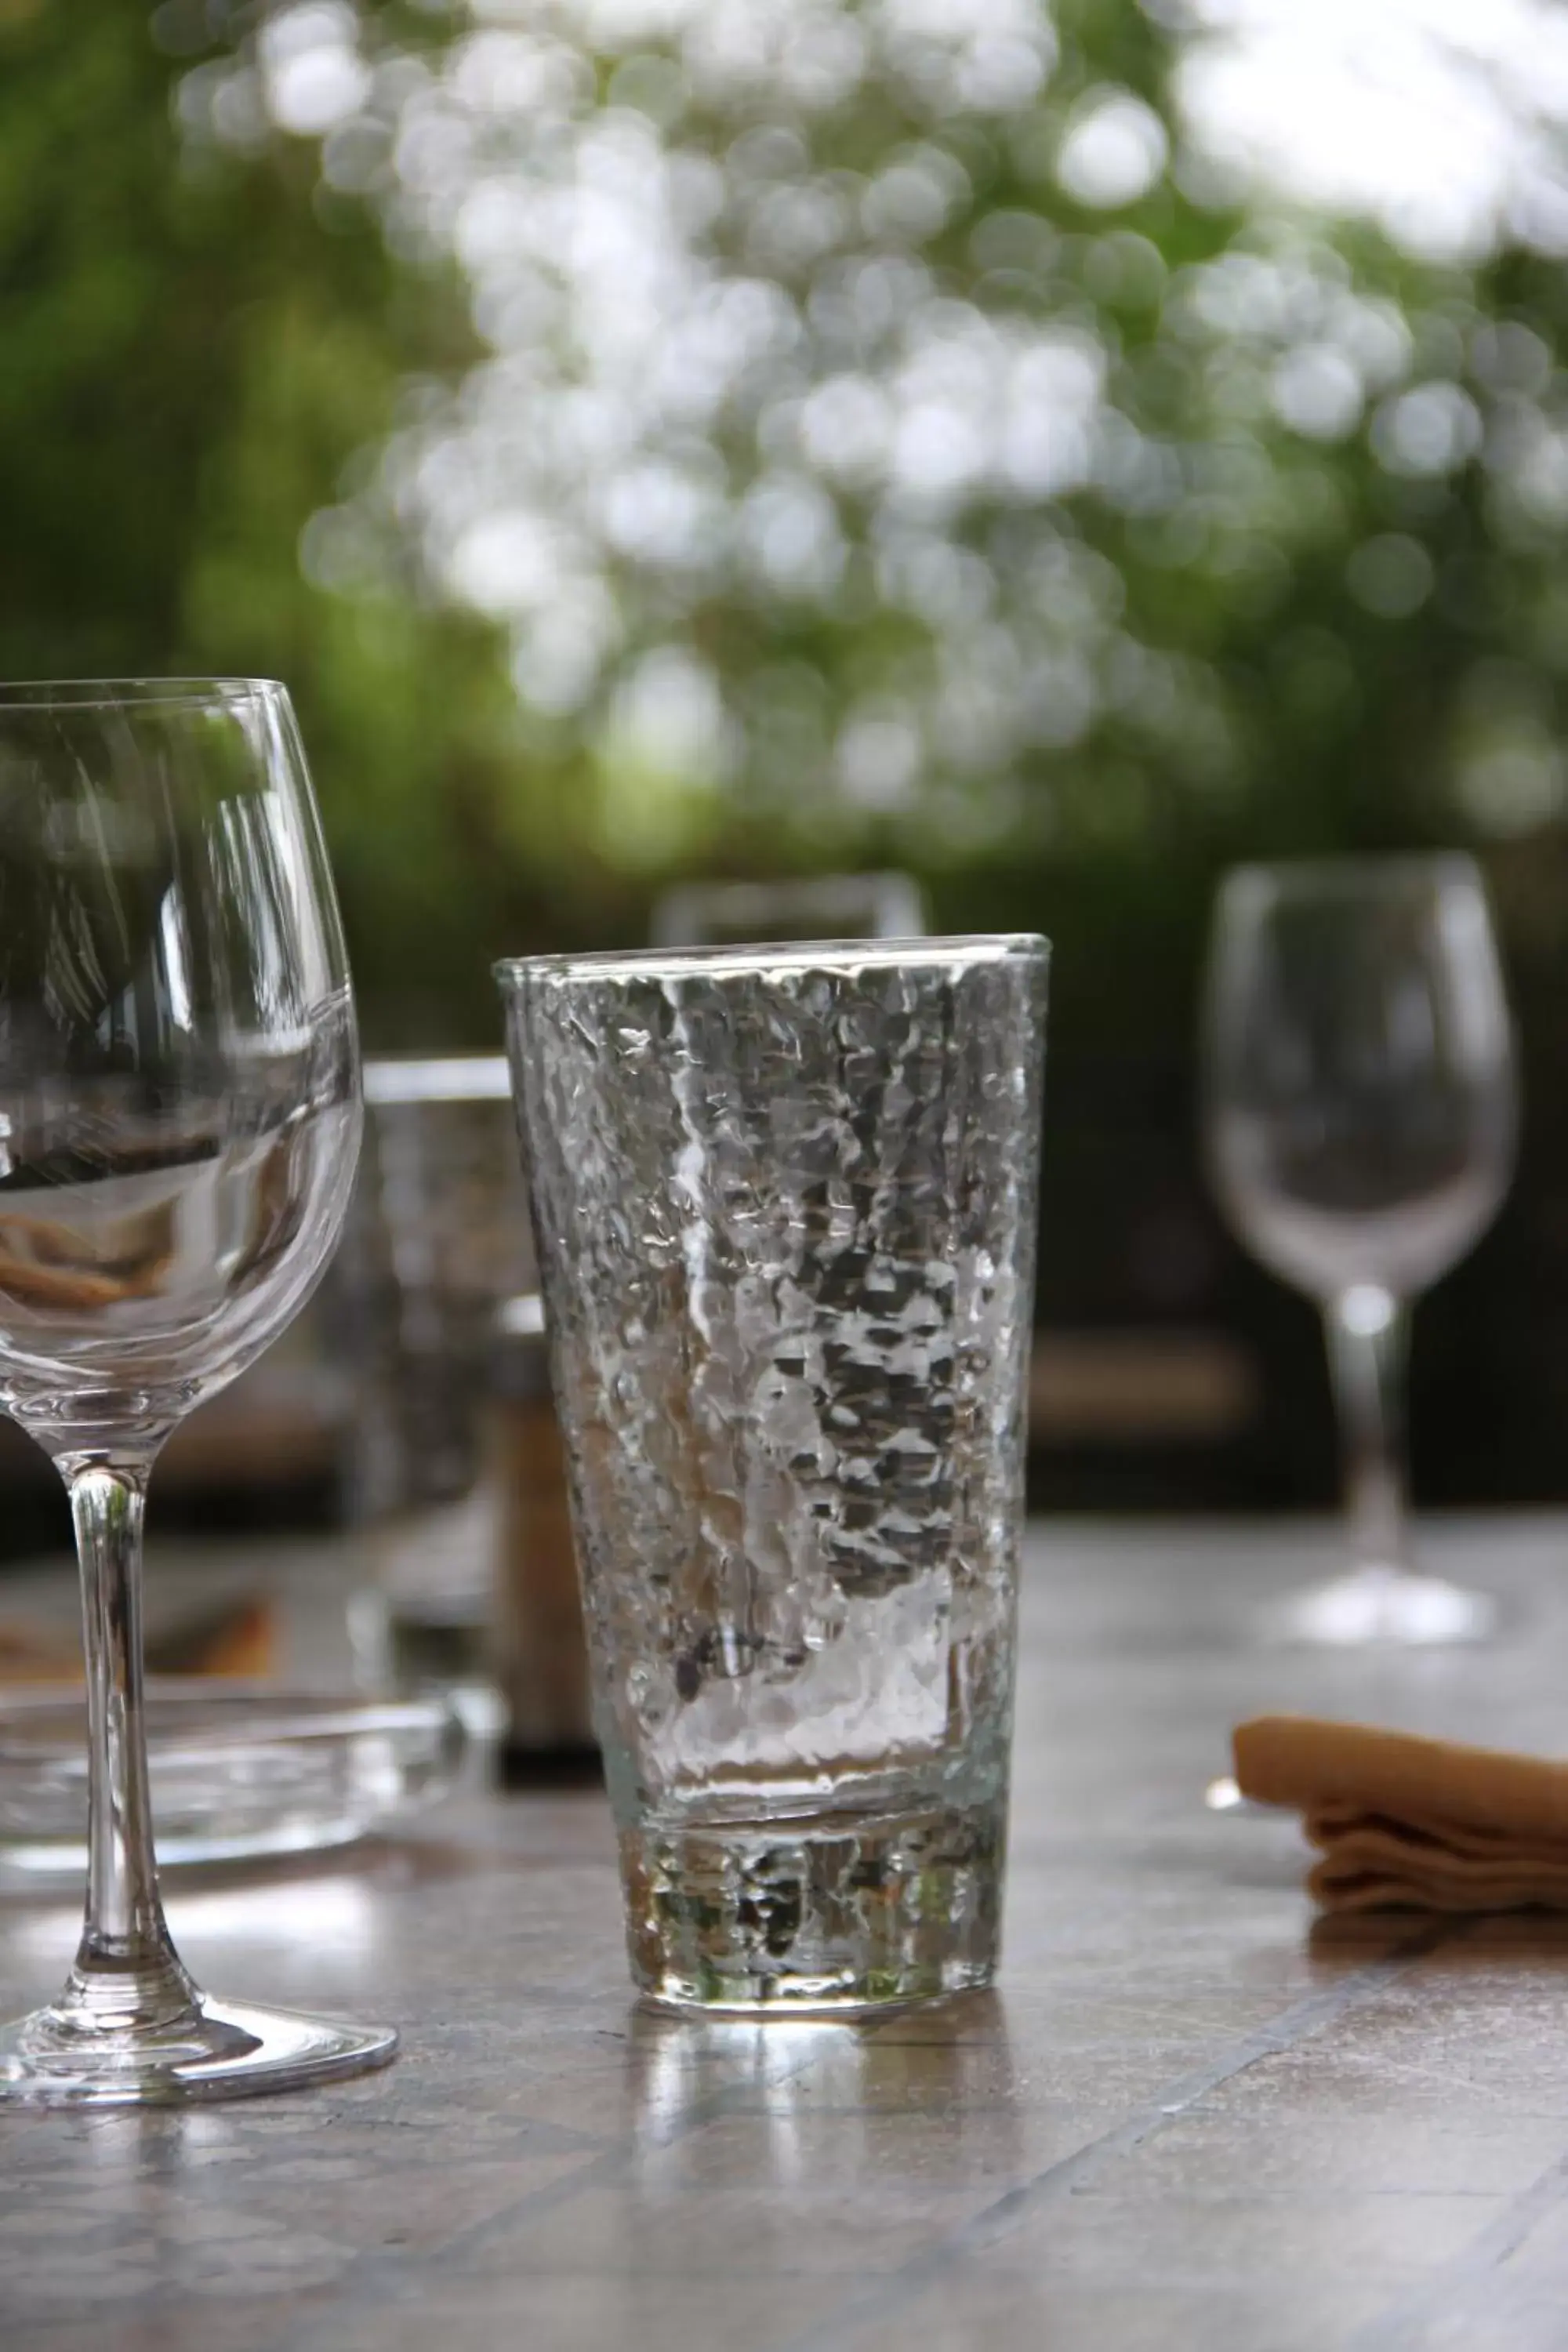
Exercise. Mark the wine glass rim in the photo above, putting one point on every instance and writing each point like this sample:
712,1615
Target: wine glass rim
141,693
737,962
1353,874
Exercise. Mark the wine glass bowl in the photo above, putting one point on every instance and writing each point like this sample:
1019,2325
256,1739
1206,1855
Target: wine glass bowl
178,1067
1361,1118
179,1127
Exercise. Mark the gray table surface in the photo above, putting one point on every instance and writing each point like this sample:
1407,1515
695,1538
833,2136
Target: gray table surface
1182,2119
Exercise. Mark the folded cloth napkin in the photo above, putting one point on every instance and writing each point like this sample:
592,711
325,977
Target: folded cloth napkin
1411,1825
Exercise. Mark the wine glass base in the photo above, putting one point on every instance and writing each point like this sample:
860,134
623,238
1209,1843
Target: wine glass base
1387,1605
222,2050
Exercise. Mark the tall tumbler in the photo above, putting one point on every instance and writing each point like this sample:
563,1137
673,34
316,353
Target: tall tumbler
785,1204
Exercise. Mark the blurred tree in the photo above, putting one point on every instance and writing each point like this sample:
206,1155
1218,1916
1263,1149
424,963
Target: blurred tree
883,430
1045,448
194,348
650,436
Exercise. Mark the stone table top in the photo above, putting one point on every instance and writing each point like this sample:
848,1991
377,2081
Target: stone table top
1183,2119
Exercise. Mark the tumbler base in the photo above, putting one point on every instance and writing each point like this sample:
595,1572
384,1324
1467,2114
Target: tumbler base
832,1914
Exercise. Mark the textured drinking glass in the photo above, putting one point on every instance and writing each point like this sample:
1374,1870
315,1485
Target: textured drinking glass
1361,1118
179,1123
784,1201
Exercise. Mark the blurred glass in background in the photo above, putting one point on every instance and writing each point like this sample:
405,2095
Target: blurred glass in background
441,1239
828,907
1051,453
1360,1121
439,1242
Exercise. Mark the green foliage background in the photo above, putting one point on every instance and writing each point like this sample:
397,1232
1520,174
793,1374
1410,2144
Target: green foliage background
204,346
197,344
188,358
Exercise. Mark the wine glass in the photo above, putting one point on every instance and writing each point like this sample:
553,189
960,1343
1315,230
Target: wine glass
179,1125
1361,1118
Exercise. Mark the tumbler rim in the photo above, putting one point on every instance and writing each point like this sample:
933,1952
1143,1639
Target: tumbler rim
750,960
139,693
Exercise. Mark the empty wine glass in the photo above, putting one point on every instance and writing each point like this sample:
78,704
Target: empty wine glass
1360,1123
179,1124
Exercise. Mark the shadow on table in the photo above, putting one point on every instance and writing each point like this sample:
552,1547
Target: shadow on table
1464,1940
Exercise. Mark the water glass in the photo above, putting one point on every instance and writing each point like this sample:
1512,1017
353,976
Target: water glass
784,1205
436,1244
438,1241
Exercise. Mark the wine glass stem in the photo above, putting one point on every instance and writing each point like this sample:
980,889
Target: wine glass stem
1367,1330
127,1974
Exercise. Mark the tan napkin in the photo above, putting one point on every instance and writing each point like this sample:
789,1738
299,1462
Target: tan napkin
236,1639
1413,1824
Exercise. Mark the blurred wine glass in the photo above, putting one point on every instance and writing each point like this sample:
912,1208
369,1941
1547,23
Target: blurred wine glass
880,905
1359,1120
